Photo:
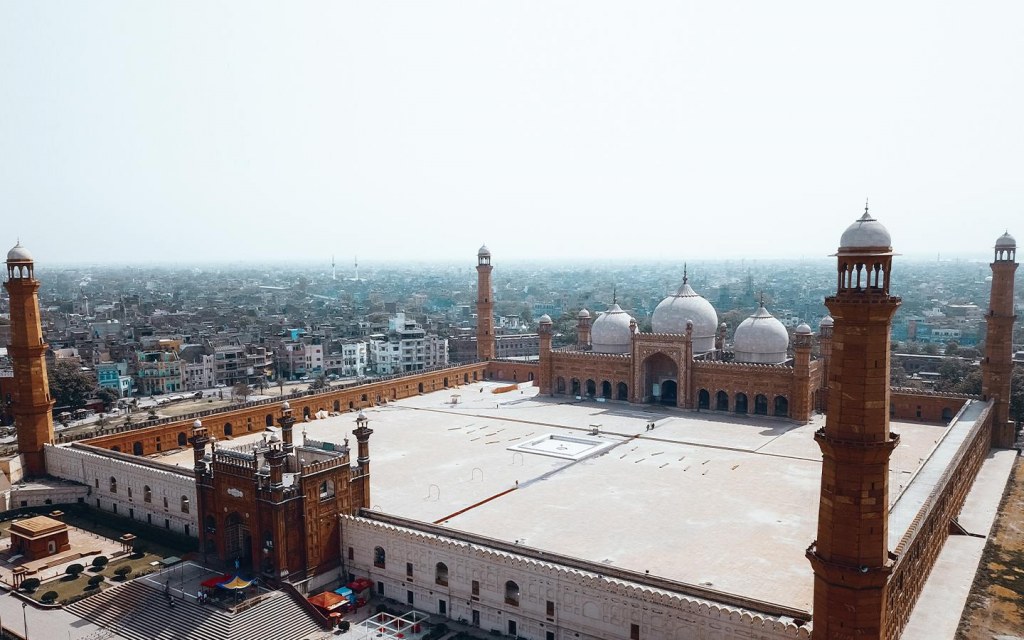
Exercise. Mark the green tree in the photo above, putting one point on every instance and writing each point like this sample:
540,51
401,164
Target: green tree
319,382
240,391
69,386
952,348
107,396
931,349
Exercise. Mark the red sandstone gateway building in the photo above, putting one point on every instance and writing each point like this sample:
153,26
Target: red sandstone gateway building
298,509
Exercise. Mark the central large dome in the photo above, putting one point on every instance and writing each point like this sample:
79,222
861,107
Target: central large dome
672,314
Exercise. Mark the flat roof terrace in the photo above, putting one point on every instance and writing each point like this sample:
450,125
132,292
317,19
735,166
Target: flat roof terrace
704,498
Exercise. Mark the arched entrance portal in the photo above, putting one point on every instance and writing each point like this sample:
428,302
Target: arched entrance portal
669,392
237,540
606,390
659,379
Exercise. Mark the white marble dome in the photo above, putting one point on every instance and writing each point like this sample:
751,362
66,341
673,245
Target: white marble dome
865,233
672,314
583,313
827,321
1005,241
803,329
19,253
484,252
761,339
545,319
611,332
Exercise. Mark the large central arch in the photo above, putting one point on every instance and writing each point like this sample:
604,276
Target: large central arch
661,370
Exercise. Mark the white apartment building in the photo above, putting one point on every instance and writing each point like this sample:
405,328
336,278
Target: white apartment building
405,347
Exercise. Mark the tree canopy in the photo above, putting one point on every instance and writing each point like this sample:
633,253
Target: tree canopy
69,386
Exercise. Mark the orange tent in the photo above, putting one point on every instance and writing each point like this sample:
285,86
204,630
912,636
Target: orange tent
327,600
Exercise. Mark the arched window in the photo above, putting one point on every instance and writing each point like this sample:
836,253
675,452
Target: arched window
420,387
606,390
721,401
575,387
622,392
147,494
441,574
326,489
182,439
781,407
185,505
337,406
760,405
512,593
165,502
560,385
113,484
741,403
380,557
305,412
228,429
703,399
269,419
137,448
591,388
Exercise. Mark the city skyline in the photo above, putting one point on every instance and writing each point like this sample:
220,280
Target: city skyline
410,132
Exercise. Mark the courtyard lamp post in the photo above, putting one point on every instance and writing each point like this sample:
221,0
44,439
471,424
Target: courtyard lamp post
24,617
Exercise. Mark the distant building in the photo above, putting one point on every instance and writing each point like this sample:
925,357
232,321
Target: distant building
405,347
158,372
114,375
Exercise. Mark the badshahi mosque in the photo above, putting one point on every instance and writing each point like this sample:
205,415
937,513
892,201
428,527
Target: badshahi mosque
662,485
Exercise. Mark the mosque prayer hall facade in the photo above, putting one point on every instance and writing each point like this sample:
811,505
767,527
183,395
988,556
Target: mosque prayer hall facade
296,508
683,362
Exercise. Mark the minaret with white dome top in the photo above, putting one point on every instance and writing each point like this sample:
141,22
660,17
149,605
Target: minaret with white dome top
484,305
583,329
32,402
850,556
997,367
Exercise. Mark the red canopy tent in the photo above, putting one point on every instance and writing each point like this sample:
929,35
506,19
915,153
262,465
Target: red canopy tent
215,581
360,584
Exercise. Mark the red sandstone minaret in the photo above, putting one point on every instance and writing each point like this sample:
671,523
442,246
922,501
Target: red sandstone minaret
484,306
583,321
997,368
850,557
32,403
545,329
362,432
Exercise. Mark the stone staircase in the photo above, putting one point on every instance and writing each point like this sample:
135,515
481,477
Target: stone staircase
139,612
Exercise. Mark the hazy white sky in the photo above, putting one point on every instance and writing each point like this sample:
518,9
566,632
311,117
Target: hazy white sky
295,130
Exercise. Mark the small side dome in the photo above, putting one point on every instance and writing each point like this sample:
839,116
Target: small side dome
545,319
827,321
274,438
1005,241
583,313
198,424
761,339
286,406
803,329
866,233
19,253
484,252
611,332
